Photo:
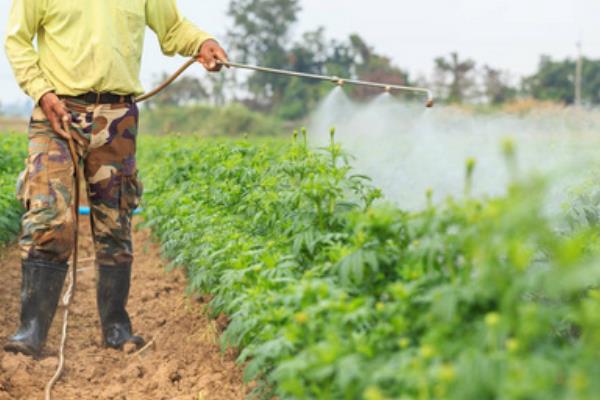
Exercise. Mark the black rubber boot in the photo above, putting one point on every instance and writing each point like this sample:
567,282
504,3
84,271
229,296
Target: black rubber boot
112,293
41,286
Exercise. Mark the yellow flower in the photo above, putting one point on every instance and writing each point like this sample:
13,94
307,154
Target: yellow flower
427,351
512,345
447,373
578,381
492,319
594,294
301,318
373,393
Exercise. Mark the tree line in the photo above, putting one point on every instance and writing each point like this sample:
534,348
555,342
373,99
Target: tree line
260,33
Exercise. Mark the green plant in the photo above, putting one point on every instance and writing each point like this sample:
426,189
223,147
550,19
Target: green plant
333,295
12,153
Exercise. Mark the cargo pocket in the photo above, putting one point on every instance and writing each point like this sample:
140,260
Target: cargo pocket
131,193
23,188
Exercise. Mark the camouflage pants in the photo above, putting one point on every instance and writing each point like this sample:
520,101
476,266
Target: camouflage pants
107,158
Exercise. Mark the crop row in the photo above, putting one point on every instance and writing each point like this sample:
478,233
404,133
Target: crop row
334,295
12,154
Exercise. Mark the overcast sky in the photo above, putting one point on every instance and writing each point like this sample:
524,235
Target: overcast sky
507,34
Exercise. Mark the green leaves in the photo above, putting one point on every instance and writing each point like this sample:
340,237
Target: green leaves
13,150
355,267
332,295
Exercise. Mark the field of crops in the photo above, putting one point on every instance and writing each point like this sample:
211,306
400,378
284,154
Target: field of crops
333,294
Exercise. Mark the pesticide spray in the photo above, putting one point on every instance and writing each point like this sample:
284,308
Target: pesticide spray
409,150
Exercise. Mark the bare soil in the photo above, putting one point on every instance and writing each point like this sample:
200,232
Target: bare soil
183,361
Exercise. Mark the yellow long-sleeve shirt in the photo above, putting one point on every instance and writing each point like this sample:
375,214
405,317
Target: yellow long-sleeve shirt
91,45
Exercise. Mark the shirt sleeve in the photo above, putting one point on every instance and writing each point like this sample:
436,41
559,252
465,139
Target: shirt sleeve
176,34
24,21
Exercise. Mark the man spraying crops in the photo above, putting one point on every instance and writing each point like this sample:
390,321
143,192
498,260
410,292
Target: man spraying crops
84,75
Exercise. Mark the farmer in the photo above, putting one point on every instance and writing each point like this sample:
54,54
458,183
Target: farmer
83,77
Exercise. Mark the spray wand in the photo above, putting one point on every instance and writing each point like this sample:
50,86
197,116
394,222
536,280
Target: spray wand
334,79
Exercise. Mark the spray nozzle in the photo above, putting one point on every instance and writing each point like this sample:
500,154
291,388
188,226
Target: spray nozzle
338,81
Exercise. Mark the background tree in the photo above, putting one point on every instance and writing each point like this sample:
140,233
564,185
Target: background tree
260,34
455,77
555,81
310,55
370,66
222,88
353,58
496,86
591,81
184,91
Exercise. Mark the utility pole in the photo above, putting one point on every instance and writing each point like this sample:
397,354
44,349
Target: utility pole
578,75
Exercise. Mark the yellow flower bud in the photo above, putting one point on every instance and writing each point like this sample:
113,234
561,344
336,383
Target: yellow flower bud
427,351
301,318
512,345
492,319
447,373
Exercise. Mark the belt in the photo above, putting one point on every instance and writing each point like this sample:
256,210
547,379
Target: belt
103,98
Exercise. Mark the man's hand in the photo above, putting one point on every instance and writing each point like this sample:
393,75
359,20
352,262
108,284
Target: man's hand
210,53
56,113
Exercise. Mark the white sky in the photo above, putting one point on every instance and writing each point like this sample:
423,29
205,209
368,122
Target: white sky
507,34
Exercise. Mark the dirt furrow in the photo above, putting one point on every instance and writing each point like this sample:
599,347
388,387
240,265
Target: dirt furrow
183,360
